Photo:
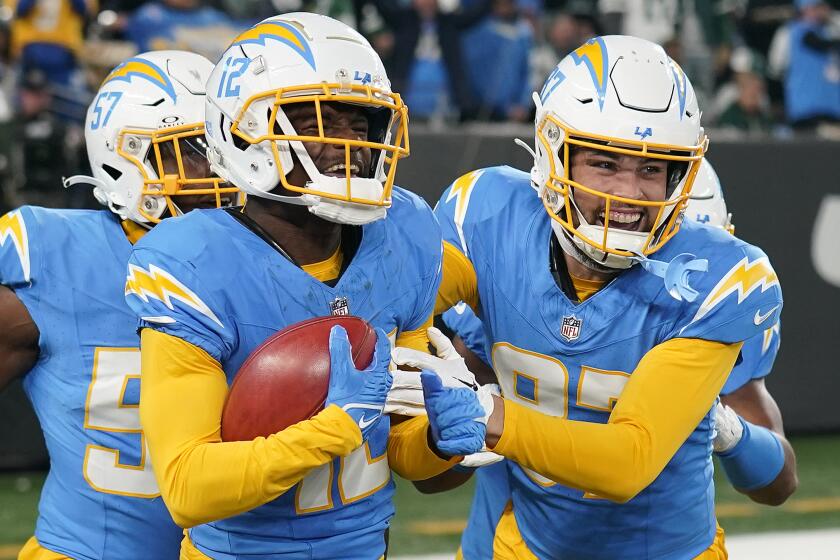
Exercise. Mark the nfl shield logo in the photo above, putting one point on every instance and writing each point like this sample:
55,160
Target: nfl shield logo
339,306
570,329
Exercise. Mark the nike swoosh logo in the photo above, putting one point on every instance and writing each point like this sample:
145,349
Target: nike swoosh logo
472,386
364,422
759,318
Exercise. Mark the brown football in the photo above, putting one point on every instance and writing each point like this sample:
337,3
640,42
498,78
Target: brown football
285,379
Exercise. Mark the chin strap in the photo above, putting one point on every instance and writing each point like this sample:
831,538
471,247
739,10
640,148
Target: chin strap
347,212
81,179
302,200
675,273
576,253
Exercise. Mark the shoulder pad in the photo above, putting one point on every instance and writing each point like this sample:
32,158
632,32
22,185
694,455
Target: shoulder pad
15,259
740,296
479,196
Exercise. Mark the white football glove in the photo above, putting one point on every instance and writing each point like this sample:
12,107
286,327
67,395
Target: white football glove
480,459
448,365
406,394
728,428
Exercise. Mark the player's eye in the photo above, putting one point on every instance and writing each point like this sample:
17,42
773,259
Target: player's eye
606,164
308,128
652,169
360,130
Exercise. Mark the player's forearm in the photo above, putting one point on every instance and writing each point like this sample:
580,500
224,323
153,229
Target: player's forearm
18,339
783,486
444,482
418,339
614,461
754,404
215,480
667,396
410,454
201,478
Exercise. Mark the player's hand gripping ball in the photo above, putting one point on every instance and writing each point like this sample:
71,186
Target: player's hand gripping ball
286,378
361,394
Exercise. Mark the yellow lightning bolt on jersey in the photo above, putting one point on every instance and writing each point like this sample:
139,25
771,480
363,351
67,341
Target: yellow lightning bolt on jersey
460,191
158,284
768,337
12,227
743,278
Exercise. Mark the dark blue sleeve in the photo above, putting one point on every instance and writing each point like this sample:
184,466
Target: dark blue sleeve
524,78
79,6
24,7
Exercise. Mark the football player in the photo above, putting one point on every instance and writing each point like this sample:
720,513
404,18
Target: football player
300,115
69,333
593,289
744,390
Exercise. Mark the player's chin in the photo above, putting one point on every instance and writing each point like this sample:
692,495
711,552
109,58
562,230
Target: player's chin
202,203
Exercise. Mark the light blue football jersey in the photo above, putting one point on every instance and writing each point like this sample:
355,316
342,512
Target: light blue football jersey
573,359
492,491
461,320
757,357
233,292
490,497
756,361
100,498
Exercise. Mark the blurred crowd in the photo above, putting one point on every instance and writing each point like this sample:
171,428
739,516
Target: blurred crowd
760,67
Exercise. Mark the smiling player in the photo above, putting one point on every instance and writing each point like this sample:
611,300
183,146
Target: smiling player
593,289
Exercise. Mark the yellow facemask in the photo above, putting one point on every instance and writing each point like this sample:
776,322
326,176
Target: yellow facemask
558,198
177,175
387,149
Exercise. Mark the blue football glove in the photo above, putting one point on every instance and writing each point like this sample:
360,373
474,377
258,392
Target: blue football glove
361,394
456,416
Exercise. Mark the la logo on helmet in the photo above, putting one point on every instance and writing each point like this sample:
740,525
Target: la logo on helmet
642,134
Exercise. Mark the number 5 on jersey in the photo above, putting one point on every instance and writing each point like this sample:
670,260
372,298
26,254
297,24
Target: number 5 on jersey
106,410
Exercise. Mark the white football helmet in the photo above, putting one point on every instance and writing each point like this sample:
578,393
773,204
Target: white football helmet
706,203
624,95
145,133
304,58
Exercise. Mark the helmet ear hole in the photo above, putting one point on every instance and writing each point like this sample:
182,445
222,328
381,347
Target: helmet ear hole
222,127
112,172
676,173
240,144
379,120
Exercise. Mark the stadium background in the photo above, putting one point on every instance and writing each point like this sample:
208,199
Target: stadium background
780,183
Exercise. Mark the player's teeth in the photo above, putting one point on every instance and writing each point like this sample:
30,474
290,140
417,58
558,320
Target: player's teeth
341,167
623,217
